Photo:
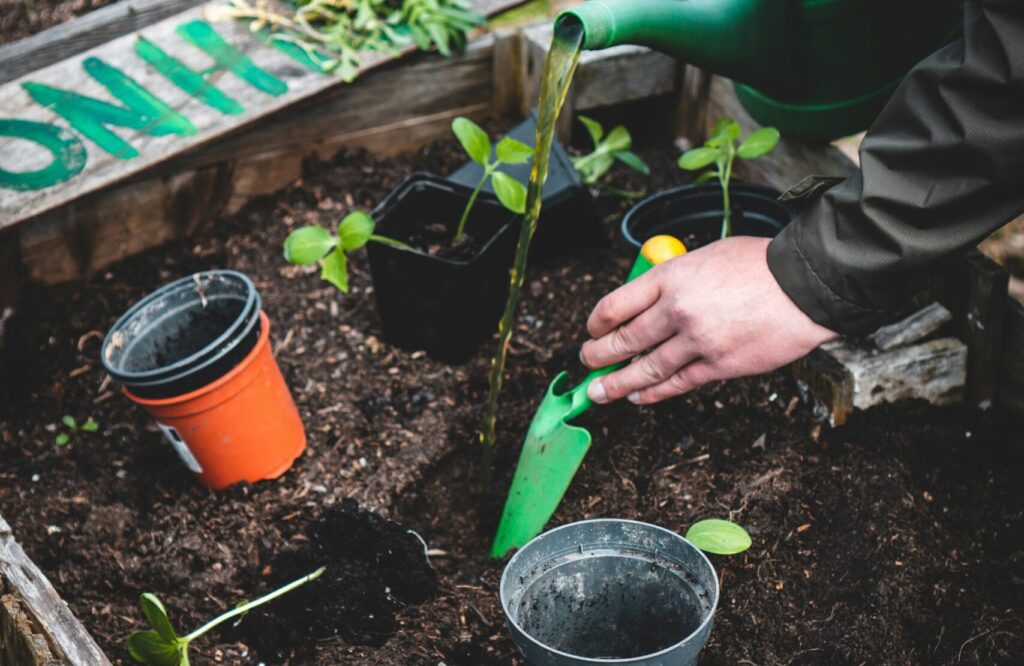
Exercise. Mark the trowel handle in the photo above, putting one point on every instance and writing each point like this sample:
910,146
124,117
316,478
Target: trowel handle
655,250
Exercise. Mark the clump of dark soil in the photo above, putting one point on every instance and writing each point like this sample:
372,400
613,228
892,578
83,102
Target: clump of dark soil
374,567
21,18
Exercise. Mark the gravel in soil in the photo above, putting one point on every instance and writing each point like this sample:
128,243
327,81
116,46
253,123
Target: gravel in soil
896,539
21,18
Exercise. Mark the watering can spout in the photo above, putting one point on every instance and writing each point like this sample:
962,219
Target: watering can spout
741,39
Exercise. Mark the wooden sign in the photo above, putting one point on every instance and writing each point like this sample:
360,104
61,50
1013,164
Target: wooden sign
101,116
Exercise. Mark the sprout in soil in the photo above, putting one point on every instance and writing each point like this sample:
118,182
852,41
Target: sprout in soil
74,427
162,646
308,245
511,193
607,149
719,537
721,150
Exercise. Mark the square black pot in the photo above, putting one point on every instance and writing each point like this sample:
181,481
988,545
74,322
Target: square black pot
445,307
569,220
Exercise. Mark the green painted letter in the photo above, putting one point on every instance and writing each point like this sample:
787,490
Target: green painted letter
90,116
202,35
68,154
193,83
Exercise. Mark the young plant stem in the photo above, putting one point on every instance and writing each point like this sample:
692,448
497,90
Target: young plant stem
724,176
384,240
472,200
245,608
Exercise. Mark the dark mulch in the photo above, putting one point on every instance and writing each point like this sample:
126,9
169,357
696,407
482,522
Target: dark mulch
21,18
897,539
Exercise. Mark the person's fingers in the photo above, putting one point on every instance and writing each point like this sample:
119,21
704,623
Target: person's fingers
690,377
649,328
647,371
623,304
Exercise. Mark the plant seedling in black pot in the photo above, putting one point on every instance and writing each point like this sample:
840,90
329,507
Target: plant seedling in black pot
607,150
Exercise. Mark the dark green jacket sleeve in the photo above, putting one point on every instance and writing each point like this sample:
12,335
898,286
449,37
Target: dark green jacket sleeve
941,168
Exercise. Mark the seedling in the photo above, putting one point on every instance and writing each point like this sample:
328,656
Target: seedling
511,193
73,427
718,537
721,150
607,149
311,244
162,646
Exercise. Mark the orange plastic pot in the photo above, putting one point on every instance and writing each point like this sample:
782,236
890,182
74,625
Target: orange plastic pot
241,427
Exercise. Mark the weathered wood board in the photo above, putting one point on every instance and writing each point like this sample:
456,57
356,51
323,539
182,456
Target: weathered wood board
69,641
63,126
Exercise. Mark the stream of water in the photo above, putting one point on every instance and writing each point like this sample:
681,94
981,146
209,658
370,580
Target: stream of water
563,56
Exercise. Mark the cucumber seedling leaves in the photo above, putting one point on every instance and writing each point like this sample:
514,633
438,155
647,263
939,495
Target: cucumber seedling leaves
73,427
607,149
719,537
722,151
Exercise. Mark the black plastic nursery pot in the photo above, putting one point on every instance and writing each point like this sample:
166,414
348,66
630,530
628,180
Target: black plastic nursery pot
609,591
569,220
693,214
196,355
443,306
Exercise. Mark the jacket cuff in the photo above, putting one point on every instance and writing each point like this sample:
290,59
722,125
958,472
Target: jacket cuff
805,286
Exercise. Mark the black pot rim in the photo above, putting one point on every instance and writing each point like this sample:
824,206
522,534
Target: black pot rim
737,189
198,360
433,180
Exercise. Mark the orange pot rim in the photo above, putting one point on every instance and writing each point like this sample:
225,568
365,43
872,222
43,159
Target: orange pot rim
217,383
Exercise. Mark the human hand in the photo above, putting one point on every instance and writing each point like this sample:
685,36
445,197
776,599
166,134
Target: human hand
714,313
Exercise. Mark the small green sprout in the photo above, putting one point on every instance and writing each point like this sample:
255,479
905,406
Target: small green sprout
511,193
64,438
310,244
162,646
721,150
607,149
719,537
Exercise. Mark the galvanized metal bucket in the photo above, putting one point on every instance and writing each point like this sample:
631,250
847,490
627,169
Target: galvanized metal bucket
609,592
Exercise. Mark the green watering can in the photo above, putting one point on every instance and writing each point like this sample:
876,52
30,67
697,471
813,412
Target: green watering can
815,69
554,448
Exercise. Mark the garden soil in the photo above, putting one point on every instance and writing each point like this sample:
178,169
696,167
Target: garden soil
21,18
896,539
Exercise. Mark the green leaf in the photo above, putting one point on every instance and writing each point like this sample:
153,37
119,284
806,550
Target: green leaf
62,439
594,129
633,161
156,615
726,126
308,245
719,537
355,230
759,143
473,139
511,151
597,167
334,269
149,647
90,425
511,193
705,177
698,158
618,139
68,421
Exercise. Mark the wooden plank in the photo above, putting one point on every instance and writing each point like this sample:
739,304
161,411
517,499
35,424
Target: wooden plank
1011,367
987,284
829,382
916,327
83,33
40,601
507,73
283,80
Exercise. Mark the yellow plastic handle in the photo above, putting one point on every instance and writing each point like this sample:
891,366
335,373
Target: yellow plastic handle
659,249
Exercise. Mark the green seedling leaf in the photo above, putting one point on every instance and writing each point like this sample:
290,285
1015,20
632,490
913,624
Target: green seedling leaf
597,167
355,230
149,647
334,269
307,245
594,129
705,177
90,425
719,537
62,439
511,193
760,142
633,161
155,613
726,127
698,158
473,139
68,421
618,139
511,151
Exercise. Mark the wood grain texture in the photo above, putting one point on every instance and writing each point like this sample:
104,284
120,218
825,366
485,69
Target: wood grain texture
68,638
83,33
103,169
916,327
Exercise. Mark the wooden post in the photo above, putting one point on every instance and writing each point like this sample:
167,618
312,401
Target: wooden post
1011,367
987,284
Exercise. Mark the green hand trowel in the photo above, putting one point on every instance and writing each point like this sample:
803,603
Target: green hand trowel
554,448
